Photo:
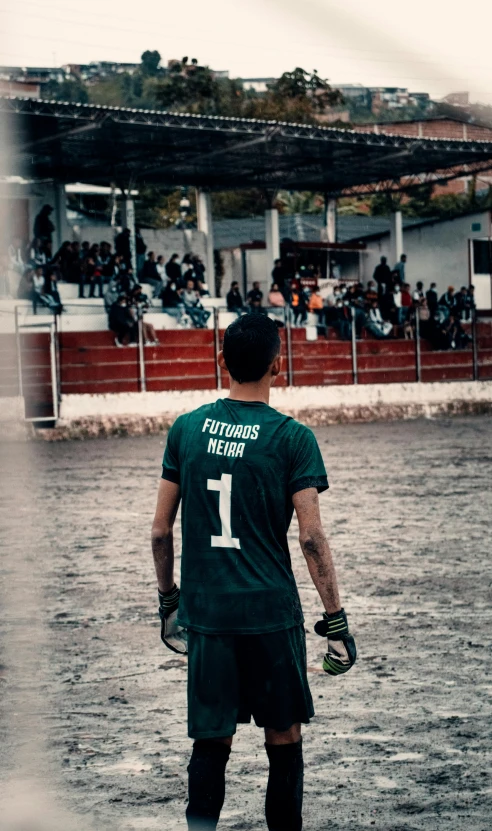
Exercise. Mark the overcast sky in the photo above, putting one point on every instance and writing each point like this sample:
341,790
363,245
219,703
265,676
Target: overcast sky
426,45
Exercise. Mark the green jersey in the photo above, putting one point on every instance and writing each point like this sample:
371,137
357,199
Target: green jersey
238,465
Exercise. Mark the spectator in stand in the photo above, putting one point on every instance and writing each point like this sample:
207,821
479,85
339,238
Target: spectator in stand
16,255
150,274
188,270
74,264
375,324
342,319
399,317
406,301
432,300
399,269
276,298
122,322
106,260
36,256
63,259
255,295
139,302
172,301
446,303
460,302
355,298
278,274
470,305
418,295
458,338
173,271
50,295
370,295
122,246
382,276
298,304
198,268
234,300
43,229
425,318
140,249
315,306
84,250
161,269
193,306
25,290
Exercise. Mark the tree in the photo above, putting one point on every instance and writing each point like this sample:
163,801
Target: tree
150,63
72,89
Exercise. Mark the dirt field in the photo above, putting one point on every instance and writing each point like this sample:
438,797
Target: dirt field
95,707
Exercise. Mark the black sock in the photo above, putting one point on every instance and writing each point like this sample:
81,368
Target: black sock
206,784
283,804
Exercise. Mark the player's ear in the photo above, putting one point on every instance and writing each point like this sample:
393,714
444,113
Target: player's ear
220,360
277,365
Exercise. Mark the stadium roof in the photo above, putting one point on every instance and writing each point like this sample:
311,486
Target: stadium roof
103,145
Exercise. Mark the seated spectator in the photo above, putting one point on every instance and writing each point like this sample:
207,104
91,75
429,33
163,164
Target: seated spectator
150,274
16,255
375,324
193,306
234,300
255,295
432,299
25,289
36,254
446,305
173,271
122,322
470,305
315,306
276,298
122,245
50,296
458,338
63,259
198,268
370,294
161,268
172,301
4,276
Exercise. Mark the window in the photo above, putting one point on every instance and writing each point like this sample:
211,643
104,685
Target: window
482,256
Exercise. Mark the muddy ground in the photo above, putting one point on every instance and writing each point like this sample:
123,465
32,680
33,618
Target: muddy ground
94,708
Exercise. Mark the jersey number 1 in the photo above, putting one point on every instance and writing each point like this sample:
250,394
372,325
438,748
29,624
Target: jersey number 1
224,487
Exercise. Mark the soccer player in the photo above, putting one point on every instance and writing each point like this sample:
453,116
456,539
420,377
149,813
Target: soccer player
240,469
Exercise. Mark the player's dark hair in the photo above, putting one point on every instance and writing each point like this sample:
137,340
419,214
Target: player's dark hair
251,343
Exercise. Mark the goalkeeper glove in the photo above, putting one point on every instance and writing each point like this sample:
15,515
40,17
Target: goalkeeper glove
341,653
173,636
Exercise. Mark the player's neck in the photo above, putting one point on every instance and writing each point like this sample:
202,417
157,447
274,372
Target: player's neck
259,391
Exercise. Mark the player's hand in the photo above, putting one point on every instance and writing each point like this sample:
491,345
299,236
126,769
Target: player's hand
173,636
341,653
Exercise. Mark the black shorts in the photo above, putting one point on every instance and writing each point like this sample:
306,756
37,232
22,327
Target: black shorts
234,677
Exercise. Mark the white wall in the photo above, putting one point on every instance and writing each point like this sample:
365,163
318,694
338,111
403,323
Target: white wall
437,252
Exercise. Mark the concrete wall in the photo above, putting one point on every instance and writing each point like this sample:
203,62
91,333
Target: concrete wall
85,415
437,252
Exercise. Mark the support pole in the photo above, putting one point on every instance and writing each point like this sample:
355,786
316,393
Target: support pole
475,345
354,350
205,224
288,331
272,239
396,235
128,220
218,371
141,354
331,219
418,368
61,223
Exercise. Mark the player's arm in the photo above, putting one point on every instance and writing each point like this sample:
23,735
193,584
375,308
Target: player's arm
168,499
172,635
341,653
316,549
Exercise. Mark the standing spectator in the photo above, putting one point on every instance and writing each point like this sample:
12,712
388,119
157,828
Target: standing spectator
63,259
161,268
418,295
399,269
278,274
298,304
255,295
446,301
16,255
460,302
173,271
432,299
140,249
4,276
342,319
106,260
84,250
122,246
198,268
399,317
470,305
234,300
406,301
370,294
43,229
315,306
25,290
382,276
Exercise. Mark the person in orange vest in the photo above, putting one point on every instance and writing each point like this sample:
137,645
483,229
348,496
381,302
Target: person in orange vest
315,305
298,303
